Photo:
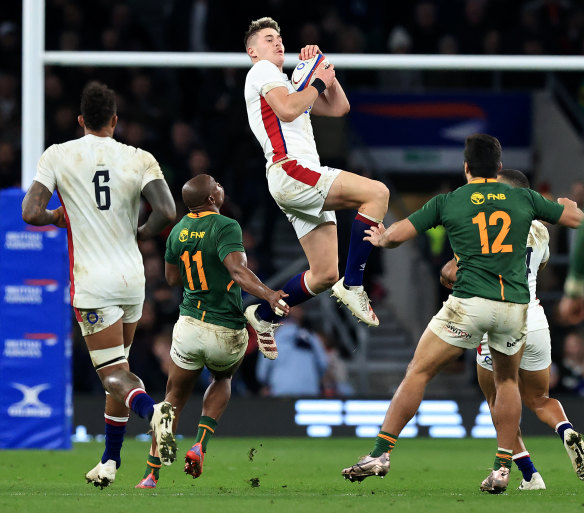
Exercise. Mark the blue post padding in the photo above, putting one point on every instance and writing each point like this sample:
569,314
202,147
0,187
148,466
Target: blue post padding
35,327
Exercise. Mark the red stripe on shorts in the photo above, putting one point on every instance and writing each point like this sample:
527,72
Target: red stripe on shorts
301,173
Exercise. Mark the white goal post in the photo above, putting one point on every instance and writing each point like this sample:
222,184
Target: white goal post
35,58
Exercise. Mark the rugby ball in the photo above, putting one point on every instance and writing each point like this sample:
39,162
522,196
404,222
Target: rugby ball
303,73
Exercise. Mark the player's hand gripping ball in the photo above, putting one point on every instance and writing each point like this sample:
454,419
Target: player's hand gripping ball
303,73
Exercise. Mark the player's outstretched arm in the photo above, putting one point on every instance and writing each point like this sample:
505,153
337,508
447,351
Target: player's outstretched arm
163,209
34,207
236,264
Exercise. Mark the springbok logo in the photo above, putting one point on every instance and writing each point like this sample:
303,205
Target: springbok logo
183,235
30,405
477,198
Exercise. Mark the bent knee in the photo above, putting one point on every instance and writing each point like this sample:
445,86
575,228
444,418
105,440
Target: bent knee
324,279
380,193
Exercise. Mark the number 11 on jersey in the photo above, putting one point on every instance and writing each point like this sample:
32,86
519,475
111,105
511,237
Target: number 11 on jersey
197,258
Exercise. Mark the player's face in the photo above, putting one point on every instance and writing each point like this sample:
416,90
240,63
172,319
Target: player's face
267,45
218,194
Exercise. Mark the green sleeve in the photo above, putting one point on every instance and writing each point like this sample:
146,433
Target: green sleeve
545,209
170,254
429,215
229,239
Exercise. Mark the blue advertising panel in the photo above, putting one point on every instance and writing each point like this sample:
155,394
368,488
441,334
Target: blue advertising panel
426,132
35,326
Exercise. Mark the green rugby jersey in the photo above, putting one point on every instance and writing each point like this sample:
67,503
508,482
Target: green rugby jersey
487,223
198,244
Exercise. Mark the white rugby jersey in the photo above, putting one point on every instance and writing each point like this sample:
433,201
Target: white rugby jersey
538,252
99,182
278,139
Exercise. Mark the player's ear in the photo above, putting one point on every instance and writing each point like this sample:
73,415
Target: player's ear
114,120
251,52
81,121
211,200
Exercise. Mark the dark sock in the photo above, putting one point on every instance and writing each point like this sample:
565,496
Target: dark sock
140,403
297,293
206,430
115,427
562,427
153,465
526,466
503,458
384,442
359,251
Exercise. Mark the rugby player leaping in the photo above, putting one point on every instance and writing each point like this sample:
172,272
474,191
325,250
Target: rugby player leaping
305,191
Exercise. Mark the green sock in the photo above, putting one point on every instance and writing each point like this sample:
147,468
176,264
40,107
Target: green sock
206,429
153,465
503,458
384,442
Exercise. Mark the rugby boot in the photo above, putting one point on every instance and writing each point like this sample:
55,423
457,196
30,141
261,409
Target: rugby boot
357,301
535,483
575,449
265,332
497,481
367,466
194,461
103,474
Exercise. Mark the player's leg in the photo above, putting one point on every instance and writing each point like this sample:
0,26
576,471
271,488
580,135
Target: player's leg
215,401
179,387
506,412
431,355
534,386
223,354
321,249
106,349
370,198
532,480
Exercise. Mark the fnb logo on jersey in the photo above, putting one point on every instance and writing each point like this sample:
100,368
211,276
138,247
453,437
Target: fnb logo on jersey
477,198
183,236
30,405
496,196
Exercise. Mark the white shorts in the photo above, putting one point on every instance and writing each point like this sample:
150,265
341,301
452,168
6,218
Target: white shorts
300,191
462,322
196,344
536,357
94,320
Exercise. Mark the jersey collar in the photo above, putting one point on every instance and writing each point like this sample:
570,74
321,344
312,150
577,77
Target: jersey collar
197,215
483,180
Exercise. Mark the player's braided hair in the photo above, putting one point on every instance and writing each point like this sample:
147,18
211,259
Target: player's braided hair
98,105
257,25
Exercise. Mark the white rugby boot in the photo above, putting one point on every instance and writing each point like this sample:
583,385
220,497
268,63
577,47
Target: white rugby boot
265,332
357,301
367,466
575,449
535,483
103,474
497,481
161,425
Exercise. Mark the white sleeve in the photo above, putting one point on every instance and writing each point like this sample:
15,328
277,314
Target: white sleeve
45,170
264,76
152,169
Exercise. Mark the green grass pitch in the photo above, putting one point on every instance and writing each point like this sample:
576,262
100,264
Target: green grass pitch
427,475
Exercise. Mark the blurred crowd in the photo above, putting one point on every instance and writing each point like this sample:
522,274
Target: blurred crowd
194,120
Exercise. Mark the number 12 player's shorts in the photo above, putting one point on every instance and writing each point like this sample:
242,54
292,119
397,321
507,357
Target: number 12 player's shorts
300,190
462,322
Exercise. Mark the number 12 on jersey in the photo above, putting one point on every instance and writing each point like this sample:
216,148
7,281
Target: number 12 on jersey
197,258
498,246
